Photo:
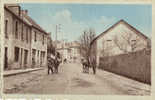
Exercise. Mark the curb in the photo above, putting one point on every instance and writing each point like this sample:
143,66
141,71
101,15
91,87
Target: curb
21,72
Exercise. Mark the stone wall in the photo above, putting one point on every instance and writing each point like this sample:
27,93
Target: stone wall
136,65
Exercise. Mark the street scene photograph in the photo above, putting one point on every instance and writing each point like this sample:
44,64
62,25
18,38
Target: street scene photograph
77,49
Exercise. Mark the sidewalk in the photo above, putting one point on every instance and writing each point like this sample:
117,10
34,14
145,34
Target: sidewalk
127,84
20,71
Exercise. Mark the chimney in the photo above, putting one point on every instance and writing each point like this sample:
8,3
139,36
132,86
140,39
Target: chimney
25,12
14,8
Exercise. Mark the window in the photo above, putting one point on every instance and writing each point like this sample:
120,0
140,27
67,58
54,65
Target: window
16,54
33,56
33,53
21,54
109,40
42,57
6,28
27,34
43,39
35,36
38,57
133,42
25,56
38,53
16,30
133,45
6,58
22,37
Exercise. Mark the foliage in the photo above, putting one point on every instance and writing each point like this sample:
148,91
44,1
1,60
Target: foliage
85,41
50,48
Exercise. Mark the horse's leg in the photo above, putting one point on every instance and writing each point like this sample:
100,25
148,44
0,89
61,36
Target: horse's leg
83,68
52,70
94,70
48,70
87,68
57,68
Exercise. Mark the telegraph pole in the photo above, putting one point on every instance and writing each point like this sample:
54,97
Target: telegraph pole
56,34
58,28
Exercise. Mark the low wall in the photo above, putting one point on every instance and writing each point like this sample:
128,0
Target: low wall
136,65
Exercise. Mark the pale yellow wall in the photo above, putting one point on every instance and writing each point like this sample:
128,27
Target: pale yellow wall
11,41
37,45
110,48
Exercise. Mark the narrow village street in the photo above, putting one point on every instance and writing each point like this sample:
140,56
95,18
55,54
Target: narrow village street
69,37
71,80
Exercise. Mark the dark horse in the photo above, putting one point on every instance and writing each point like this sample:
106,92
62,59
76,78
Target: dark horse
50,65
86,66
56,65
53,65
91,63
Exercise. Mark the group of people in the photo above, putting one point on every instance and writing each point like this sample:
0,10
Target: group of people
89,63
53,64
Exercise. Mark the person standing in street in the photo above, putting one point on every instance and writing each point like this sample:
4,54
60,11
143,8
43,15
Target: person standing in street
94,64
50,65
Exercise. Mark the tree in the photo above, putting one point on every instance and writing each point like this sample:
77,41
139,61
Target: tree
128,42
50,48
85,41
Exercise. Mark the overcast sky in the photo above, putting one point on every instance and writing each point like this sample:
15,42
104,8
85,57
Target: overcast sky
74,18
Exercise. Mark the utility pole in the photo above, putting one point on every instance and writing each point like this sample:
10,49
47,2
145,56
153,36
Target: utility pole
58,28
56,34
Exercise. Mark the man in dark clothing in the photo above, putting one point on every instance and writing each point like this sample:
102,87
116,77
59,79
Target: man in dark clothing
50,65
94,65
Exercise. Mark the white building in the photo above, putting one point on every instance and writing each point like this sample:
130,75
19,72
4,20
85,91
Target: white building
25,41
69,51
118,39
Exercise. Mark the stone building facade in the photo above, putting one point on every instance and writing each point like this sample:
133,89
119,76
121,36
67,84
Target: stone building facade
39,40
19,41
69,51
119,39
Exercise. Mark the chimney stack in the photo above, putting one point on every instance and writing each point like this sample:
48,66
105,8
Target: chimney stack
25,12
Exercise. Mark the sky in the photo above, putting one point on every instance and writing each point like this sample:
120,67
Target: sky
73,19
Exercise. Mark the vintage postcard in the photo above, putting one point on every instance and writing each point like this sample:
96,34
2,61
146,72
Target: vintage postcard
76,49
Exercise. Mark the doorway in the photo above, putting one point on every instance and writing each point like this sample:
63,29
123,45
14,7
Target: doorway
6,58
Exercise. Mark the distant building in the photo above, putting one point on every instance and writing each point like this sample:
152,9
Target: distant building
119,39
69,51
25,42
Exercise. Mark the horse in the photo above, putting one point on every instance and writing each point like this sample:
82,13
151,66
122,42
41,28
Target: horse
50,65
56,65
86,66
